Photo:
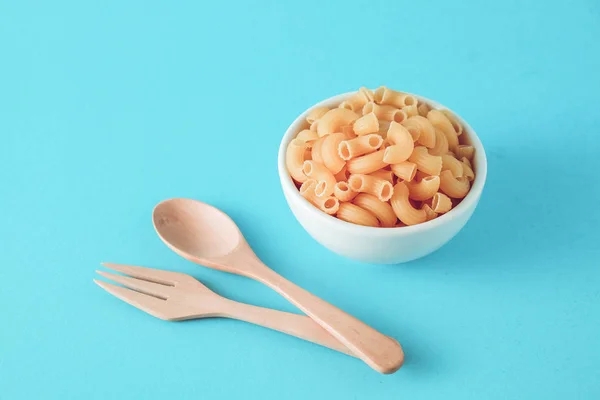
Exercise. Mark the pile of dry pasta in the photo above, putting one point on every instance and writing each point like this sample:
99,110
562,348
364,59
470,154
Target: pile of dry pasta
381,158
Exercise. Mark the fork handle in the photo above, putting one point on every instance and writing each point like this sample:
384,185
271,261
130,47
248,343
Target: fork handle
293,324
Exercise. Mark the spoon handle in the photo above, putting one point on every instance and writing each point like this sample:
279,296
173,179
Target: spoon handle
380,352
293,324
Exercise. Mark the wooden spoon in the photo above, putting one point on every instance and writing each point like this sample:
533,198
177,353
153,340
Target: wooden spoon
205,235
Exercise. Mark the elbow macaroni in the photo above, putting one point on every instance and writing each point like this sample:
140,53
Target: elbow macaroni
453,165
424,127
402,207
457,188
441,122
441,203
333,121
405,170
425,189
357,215
294,159
329,152
382,210
382,159
367,164
366,124
361,145
374,185
427,163
441,144
402,144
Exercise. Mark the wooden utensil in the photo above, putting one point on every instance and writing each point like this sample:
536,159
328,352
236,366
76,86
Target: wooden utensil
205,235
175,296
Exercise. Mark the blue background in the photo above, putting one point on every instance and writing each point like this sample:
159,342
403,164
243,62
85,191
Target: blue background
108,107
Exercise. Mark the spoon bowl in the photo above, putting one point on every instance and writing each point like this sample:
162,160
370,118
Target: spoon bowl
195,230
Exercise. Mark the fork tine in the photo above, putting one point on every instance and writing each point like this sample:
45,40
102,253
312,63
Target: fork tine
152,289
150,274
149,304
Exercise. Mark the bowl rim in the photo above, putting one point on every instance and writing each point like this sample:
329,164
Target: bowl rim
468,203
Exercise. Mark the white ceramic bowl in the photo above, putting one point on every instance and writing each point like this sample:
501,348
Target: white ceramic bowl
381,245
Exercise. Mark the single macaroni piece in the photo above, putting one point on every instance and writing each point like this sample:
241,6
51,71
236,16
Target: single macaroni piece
380,209
397,134
427,163
343,175
405,170
349,149
294,159
465,150
386,113
466,161
457,188
411,111
367,93
368,163
356,215
424,189
423,109
441,144
426,130
316,151
325,179
343,192
308,136
402,144
458,128
441,203
329,204
334,120
391,97
357,101
452,164
374,185
329,152
429,212
467,170
441,122
315,114
403,208
388,175
366,124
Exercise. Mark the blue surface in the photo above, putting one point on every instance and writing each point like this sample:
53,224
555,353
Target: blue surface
106,108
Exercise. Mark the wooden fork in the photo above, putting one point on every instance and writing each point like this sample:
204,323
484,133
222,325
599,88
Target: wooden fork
174,296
